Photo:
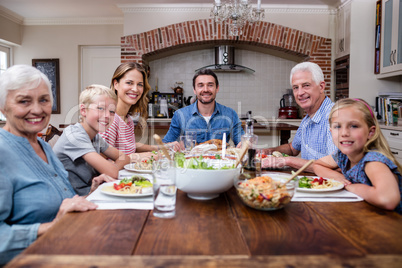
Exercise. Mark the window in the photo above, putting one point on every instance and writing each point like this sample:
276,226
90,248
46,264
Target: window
4,64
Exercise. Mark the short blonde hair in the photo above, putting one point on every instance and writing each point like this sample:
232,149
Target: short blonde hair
90,93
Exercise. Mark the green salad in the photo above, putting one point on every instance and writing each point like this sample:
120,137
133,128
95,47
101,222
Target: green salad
199,162
305,182
137,181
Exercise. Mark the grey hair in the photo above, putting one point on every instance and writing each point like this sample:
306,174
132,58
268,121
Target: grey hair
21,77
311,67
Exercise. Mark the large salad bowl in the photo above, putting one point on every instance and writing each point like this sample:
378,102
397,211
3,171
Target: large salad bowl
204,182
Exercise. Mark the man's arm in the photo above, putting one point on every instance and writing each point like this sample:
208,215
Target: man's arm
174,129
284,148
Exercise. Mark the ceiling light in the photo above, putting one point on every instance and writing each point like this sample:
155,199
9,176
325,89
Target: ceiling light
236,13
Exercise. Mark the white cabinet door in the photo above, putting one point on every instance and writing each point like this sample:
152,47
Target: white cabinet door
98,64
342,45
391,37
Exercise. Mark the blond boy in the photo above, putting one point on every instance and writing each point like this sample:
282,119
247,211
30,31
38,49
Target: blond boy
80,146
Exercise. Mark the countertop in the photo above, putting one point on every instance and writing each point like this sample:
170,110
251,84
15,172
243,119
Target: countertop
391,127
268,120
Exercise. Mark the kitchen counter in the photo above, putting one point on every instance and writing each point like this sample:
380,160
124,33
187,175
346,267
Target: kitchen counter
277,129
269,120
391,127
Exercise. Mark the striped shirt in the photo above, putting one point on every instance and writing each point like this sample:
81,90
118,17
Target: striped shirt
313,137
121,135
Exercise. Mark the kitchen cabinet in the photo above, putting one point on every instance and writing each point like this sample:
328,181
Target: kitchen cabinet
391,38
342,45
394,137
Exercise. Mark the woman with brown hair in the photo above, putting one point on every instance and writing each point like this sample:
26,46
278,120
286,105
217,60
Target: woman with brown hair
131,86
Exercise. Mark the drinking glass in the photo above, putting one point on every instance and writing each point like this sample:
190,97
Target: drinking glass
187,143
164,185
192,135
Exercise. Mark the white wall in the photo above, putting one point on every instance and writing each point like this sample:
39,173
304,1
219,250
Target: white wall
62,42
363,83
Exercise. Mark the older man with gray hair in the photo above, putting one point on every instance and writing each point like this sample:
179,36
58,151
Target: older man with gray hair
313,138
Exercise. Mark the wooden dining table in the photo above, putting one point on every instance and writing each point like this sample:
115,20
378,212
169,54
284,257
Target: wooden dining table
223,232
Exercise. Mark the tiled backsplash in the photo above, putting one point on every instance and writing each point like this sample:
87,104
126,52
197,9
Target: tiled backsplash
259,92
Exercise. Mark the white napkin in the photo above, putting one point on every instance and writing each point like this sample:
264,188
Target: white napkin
335,196
105,201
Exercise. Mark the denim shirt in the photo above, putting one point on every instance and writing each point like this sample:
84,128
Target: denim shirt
223,120
31,192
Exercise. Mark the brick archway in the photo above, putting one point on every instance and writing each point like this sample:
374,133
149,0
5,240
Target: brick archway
268,35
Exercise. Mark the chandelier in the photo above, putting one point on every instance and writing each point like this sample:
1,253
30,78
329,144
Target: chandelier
236,13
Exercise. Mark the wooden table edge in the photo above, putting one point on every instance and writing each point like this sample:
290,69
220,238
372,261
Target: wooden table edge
33,260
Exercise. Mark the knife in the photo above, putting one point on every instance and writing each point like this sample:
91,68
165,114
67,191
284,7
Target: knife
121,201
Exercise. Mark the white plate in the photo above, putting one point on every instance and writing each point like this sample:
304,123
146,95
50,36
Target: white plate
124,195
334,188
130,167
276,176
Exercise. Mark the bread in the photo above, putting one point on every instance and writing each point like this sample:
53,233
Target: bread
216,142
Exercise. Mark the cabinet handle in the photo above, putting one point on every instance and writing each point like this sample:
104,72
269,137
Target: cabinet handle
395,153
394,57
341,45
394,134
391,57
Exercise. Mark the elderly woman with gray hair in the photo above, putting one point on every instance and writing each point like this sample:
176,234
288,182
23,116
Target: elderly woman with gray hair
34,188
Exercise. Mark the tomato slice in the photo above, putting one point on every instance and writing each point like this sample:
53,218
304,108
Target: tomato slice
116,186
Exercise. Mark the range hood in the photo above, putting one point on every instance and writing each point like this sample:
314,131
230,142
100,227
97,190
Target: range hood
225,61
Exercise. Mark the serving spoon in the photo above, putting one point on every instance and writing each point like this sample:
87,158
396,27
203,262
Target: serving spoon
297,173
162,145
242,152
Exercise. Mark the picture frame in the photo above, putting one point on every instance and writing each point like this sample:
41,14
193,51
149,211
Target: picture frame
50,67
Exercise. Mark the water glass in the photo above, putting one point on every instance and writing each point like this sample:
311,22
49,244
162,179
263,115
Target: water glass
192,135
164,185
187,143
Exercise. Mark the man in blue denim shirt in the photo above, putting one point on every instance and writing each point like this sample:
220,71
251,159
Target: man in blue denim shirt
205,116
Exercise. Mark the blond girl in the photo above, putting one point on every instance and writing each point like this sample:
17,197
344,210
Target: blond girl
364,161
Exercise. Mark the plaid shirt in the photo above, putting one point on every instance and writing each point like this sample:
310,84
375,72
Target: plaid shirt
313,137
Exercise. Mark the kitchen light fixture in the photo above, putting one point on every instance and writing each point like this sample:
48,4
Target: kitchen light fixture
236,13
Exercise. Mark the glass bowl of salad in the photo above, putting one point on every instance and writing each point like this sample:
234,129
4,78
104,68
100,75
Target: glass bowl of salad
204,177
266,192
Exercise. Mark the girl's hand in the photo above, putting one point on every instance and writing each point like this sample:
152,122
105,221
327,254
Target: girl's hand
342,179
